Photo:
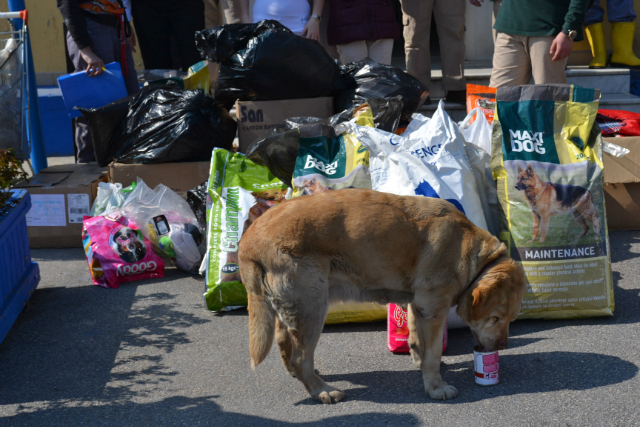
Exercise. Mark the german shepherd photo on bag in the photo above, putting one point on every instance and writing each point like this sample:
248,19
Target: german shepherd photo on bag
547,199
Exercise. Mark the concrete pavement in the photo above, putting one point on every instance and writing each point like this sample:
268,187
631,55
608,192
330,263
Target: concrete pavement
149,354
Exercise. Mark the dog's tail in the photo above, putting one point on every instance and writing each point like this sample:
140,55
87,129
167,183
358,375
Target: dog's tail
262,316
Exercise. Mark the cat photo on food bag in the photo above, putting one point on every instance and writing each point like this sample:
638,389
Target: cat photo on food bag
547,199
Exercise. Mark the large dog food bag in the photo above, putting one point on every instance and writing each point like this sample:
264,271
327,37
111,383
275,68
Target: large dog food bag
429,159
547,161
240,191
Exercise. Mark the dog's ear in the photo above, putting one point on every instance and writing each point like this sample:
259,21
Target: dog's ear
313,181
529,170
519,168
484,298
501,284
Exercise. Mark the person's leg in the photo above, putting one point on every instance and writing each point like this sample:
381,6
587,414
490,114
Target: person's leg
103,40
449,17
511,62
620,11
544,70
416,17
623,28
230,11
212,16
594,15
496,9
153,33
380,50
352,52
187,17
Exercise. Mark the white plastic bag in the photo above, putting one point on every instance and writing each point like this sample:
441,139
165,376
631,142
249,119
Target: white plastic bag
110,196
167,220
429,159
477,133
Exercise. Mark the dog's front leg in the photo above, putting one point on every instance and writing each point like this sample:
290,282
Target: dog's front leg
536,227
544,227
425,341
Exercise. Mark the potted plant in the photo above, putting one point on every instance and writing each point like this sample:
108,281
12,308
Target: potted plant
19,276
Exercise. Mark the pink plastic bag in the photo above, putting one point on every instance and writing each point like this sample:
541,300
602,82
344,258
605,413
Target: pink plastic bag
117,252
398,330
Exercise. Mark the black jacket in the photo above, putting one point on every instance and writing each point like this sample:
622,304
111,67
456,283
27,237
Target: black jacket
75,19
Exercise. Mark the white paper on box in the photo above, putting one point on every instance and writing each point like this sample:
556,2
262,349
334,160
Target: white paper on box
47,210
78,207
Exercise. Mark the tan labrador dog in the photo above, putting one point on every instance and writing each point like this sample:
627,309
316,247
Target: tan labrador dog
365,245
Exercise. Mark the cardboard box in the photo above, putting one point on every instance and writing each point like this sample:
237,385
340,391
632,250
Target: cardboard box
180,177
622,185
60,197
255,118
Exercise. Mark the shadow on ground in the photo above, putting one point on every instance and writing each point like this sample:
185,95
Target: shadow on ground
524,373
181,410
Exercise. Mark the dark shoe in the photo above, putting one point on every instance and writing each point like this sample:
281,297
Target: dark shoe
456,96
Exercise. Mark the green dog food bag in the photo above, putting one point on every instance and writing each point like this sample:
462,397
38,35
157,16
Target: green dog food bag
239,192
547,163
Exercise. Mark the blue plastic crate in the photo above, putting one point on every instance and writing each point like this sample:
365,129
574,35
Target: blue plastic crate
19,276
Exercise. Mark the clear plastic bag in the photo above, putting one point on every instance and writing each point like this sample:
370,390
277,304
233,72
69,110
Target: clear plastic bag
478,131
110,197
168,222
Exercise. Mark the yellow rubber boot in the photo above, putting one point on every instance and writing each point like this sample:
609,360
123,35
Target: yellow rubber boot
622,39
595,35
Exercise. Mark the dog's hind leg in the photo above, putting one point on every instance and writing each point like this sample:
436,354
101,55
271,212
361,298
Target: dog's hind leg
305,328
283,338
426,327
579,217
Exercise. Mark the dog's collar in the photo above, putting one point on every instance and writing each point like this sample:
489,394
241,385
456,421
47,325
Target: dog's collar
486,267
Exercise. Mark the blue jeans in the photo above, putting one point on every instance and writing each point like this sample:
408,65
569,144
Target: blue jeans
617,11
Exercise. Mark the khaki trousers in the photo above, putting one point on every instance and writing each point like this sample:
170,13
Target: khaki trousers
378,50
496,9
219,12
449,18
518,59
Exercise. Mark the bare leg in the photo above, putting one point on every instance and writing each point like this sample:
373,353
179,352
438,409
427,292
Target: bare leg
425,342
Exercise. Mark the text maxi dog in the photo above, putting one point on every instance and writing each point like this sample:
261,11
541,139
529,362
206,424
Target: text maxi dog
547,161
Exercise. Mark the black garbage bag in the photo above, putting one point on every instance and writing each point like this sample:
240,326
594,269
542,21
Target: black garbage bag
266,61
386,115
160,124
197,199
368,79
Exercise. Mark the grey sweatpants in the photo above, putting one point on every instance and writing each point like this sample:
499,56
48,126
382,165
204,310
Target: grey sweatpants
105,42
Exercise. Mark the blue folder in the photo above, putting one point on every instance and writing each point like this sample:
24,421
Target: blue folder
80,90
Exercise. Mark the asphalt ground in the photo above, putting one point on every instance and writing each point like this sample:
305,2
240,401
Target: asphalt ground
150,354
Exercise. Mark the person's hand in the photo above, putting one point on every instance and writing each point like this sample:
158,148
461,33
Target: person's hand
312,29
94,63
132,40
476,2
561,47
